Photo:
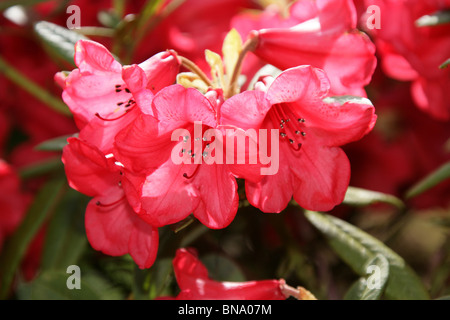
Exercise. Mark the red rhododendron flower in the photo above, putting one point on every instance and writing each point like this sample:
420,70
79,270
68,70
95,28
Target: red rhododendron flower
313,168
105,97
320,33
101,85
13,202
169,191
193,280
413,53
111,224
404,148
4,130
193,27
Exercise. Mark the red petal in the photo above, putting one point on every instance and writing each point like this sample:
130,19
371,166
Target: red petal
143,146
168,197
321,178
117,230
94,58
245,110
87,169
192,277
177,104
219,201
161,70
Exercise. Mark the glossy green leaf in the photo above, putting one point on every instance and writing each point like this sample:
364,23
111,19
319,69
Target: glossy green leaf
42,208
59,39
362,197
159,278
53,286
109,18
55,144
356,248
220,268
42,168
372,286
435,19
65,239
40,93
430,181
347,99
9,3
445,64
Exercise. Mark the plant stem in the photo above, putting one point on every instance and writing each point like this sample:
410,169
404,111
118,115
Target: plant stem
195,69
41,168
96,31
32,88
249,45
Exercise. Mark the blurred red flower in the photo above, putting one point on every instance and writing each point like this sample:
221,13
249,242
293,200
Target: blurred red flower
414,53
195,284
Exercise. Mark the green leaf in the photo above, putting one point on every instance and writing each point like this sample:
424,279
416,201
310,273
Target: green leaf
435,19
362,197
56,144
148,11
356,248
41,209
445,64
9,3
41,168
59,39
65,239
372,286
430,181
53,286
347,99
32,88
109,19
220,268
120,270
159,278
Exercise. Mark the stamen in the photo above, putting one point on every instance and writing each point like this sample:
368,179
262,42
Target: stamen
98,203
299,146
282,115
119,117
185,175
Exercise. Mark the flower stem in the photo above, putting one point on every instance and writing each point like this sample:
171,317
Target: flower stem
249,45
188,64
32,88
97,31
299,293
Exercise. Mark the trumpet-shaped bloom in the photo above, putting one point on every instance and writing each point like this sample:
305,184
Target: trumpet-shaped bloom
105,96
413,53
112,226
195,284
312,126
319,33
177,160
12,201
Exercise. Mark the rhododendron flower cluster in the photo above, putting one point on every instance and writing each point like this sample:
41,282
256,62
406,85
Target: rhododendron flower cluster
124,154
414,52
221,149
